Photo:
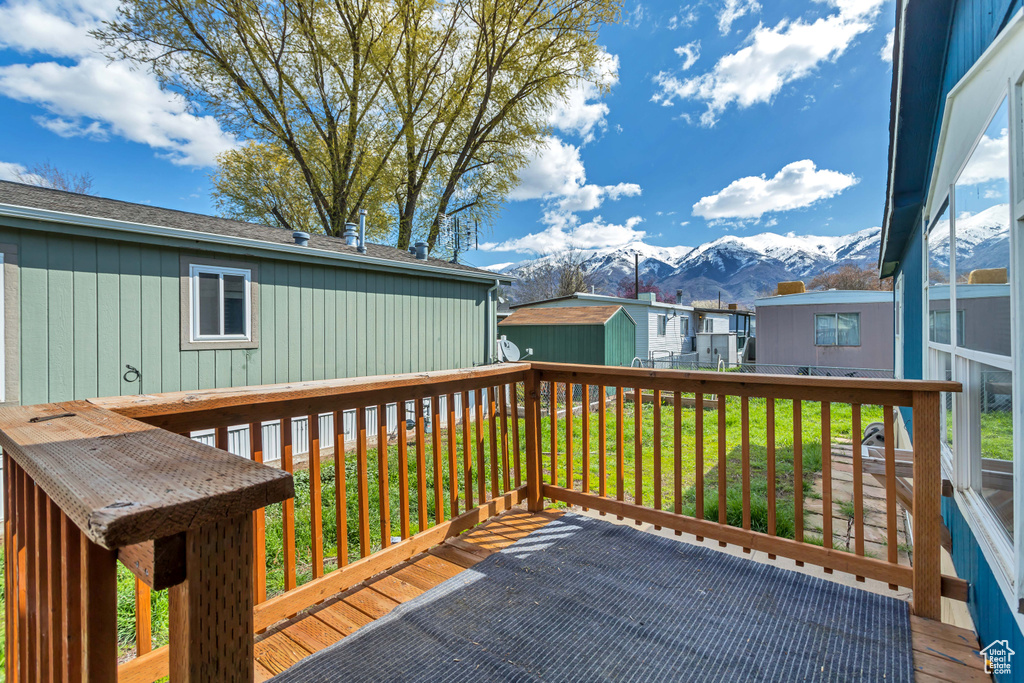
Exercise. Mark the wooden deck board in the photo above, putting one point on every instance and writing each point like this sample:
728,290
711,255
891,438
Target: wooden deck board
941,652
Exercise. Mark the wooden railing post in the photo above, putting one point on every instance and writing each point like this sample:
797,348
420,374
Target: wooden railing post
927,512
211,619
534,489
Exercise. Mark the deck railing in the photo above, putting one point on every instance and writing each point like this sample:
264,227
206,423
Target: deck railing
469,444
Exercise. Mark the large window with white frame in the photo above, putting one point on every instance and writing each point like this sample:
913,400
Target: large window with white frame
220,299
969,304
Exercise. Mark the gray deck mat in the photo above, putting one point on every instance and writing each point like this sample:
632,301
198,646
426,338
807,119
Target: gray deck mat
587,600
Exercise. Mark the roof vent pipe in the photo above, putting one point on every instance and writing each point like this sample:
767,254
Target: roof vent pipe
301,238
361,247
350,234
679,296
421,251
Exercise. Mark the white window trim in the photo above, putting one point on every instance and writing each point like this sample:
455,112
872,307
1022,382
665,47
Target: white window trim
194,270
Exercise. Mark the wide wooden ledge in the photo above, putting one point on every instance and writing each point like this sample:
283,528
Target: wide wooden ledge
123,482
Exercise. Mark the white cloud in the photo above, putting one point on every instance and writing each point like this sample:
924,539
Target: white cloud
555,170
579,113
556,174
685,18
595,234
55,28
94,97
797,185
85,96
690,53
14,172
733,10
886,52
989,161
772,58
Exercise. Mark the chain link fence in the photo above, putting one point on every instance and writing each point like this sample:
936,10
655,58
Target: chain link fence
689,361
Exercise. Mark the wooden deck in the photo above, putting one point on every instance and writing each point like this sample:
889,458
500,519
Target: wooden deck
941,652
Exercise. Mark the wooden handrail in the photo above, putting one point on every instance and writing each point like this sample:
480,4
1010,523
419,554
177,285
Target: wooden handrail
190,410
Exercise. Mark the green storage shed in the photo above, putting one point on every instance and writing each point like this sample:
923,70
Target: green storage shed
595,335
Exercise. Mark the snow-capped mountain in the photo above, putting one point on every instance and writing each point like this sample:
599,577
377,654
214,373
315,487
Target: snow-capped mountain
739,267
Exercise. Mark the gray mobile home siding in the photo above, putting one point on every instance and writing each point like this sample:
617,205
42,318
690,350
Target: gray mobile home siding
90,304
785,336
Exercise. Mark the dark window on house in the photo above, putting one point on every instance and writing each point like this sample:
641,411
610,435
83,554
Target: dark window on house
220,303
837,329
662,325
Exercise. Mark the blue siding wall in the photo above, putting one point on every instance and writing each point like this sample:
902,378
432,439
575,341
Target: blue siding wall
992,616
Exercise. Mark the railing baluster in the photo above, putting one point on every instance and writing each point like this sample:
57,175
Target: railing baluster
288,507
403,470
481,491
362,483
383,476
316,521
421,466
745,462
143,619
71,576
32,577
620,397
453,466
492,425
340,491
677,429
259,523
10,579
467,450
638,448
534,465
42,580
435,433
858,483
657,451
25,580
515,434
602,442
770,456
506,480
99,623
892,538
569,464
723,511
698,448
585,440
553,405
826,477
798,473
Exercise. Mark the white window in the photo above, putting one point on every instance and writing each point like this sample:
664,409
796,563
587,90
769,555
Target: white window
837,329
220,303
684,326
662,325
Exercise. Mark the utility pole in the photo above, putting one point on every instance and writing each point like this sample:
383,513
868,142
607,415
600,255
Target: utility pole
636,276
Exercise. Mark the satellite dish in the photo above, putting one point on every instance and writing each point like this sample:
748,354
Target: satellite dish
507,351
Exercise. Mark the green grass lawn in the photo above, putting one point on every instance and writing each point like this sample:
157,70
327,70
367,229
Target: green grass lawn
811,432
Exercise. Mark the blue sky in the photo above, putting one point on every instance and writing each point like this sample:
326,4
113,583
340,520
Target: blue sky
723,116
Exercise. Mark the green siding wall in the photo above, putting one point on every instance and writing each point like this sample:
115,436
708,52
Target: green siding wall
620,340
610,344
90,305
